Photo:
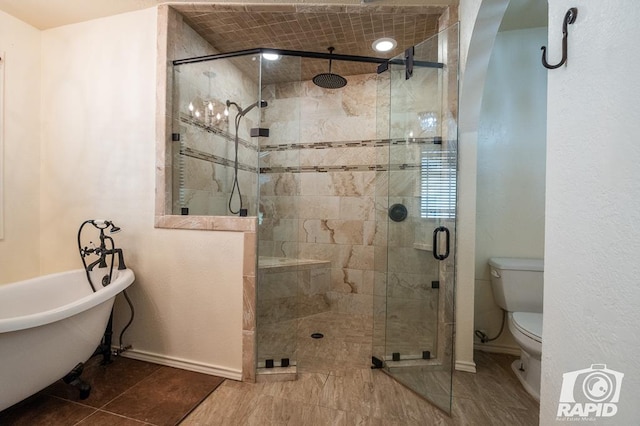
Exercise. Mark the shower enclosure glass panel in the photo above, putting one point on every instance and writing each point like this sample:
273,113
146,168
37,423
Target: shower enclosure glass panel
318,179
281,296
215,166
415,345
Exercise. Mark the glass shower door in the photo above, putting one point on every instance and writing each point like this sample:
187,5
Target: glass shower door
419,296
281,290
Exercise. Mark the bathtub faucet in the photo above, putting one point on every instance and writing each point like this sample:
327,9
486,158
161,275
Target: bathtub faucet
103,251
102,261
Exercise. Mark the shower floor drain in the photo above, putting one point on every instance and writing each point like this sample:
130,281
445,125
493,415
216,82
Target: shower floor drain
317,335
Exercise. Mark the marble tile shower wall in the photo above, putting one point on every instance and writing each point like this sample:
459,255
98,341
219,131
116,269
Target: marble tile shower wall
204,156
339,213
328,210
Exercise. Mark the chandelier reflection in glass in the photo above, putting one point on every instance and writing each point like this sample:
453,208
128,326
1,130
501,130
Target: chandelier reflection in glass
428,121
208,112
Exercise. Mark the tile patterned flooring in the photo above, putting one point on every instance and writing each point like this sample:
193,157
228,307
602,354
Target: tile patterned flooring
124,393
361,396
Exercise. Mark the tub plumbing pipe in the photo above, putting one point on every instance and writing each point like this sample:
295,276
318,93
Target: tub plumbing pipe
104,348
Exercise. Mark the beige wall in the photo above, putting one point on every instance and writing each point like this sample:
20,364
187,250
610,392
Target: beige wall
98,161
19,249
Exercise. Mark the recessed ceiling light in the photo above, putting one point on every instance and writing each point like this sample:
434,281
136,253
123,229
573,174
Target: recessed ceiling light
271,56
384,44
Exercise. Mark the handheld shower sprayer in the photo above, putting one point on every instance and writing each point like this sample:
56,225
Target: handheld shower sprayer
104,224
229,103
260,103
241,113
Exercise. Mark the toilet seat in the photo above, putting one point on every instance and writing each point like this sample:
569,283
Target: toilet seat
529,324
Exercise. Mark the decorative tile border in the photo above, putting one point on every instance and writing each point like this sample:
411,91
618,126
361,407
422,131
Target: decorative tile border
326,169
351,144
201,155
216,131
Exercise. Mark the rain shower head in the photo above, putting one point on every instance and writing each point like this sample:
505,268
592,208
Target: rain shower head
329,80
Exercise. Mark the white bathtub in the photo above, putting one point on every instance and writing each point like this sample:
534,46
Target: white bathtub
50,324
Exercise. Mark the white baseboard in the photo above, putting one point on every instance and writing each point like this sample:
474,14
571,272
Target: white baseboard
501,349
183,364
469,367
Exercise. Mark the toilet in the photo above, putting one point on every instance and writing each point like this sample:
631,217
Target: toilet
517,285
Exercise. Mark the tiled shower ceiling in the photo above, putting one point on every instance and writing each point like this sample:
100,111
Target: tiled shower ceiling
351,29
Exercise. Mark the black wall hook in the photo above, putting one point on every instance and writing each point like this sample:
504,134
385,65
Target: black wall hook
569,18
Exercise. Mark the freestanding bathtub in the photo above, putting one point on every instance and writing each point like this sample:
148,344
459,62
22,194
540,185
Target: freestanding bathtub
50,324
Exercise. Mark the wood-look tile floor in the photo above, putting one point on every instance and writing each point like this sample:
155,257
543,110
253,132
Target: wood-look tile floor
361,396
124,393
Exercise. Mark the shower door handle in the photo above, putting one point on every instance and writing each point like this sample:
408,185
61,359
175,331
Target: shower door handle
436,250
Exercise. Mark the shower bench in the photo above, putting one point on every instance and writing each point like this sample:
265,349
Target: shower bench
293,288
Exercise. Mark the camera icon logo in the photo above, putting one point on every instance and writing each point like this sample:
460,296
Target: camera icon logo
590,392
598,387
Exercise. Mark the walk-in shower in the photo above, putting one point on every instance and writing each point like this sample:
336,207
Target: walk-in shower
354,188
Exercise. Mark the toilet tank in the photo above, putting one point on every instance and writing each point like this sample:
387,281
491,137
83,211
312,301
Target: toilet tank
517,283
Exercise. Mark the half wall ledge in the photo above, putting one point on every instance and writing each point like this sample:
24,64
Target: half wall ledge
208,223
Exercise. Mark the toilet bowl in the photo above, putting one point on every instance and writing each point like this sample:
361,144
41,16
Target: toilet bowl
517,286
526,328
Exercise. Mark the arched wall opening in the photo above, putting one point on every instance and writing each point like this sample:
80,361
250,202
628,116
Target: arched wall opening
480,20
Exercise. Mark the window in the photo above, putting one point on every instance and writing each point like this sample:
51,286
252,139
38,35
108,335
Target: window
438,184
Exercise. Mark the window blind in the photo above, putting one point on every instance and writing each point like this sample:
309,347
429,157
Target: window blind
438,184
